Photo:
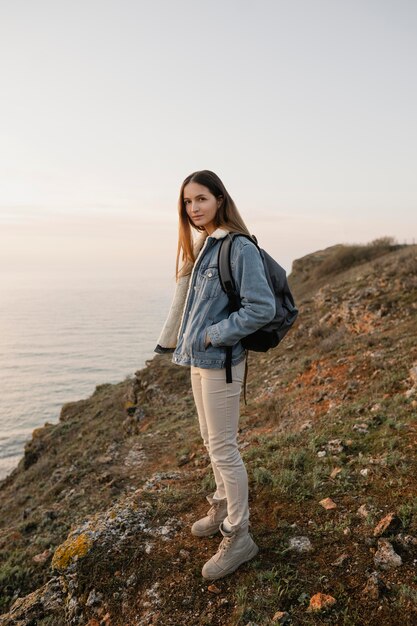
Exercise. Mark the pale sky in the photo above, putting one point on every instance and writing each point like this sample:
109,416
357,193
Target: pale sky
304,108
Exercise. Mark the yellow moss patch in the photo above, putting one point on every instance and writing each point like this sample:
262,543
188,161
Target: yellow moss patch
71,548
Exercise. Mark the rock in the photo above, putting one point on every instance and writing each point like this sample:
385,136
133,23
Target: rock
214,589
94,598
407,541
385,557
373,587
184,555
48,599
361,428
281,617
320,601
335,471
335,446
321,453
300,544
364,472
136,456
328,504
103,459
41,558
362,512
389,522
139,414
341,560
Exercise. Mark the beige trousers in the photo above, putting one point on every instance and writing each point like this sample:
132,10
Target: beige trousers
217,404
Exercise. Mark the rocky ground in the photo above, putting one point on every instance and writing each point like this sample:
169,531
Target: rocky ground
95,521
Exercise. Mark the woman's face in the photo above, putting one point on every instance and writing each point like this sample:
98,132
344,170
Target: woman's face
201,205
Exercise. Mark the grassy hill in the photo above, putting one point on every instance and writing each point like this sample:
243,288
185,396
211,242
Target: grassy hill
95,521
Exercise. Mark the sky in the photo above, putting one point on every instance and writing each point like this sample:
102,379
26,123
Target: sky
304,108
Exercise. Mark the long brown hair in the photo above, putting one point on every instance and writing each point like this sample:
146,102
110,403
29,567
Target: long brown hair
227,217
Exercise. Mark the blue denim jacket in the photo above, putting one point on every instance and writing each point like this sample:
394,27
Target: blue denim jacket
206,311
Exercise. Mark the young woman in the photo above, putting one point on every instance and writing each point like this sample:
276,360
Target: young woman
197,331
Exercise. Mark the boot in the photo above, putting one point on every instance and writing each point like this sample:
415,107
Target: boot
236,548
210,524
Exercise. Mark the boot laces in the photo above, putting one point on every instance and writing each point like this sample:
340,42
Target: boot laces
226,543
214,509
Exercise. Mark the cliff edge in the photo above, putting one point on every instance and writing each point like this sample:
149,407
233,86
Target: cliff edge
95,520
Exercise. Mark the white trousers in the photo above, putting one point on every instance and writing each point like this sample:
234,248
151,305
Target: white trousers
217,404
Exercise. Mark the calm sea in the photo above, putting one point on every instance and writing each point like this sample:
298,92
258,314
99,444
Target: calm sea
56,345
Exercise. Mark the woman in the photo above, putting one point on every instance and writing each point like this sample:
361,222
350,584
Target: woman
197,331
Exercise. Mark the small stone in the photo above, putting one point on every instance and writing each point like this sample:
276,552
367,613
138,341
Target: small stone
373,587
364,472
328,504
407,541
385,557
335,471
42,557
103,459
362,512
94,598
184,554
335,446
320,601
362,428
341,560
281,617
214,589
300,544
388,522
321,453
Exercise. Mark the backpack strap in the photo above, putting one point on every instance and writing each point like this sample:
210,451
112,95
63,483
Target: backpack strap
229,287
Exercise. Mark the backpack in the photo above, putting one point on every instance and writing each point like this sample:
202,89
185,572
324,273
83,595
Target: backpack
270,335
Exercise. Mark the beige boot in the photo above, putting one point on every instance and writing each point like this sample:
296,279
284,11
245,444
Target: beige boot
236,548
210,524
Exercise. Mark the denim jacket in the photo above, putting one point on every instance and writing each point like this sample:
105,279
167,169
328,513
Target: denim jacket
205,311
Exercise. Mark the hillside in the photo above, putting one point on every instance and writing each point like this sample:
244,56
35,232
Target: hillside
95,521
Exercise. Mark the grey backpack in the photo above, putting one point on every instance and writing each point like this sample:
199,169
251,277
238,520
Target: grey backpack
286,312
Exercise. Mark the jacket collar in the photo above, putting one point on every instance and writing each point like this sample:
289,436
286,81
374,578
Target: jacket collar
219,233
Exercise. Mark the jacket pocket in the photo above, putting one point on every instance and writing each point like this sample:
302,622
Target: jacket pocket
202,336
210,283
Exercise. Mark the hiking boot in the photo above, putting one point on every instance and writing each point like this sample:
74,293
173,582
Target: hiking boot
236,548
210,524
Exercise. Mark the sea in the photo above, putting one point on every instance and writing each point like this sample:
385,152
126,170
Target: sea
58,344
